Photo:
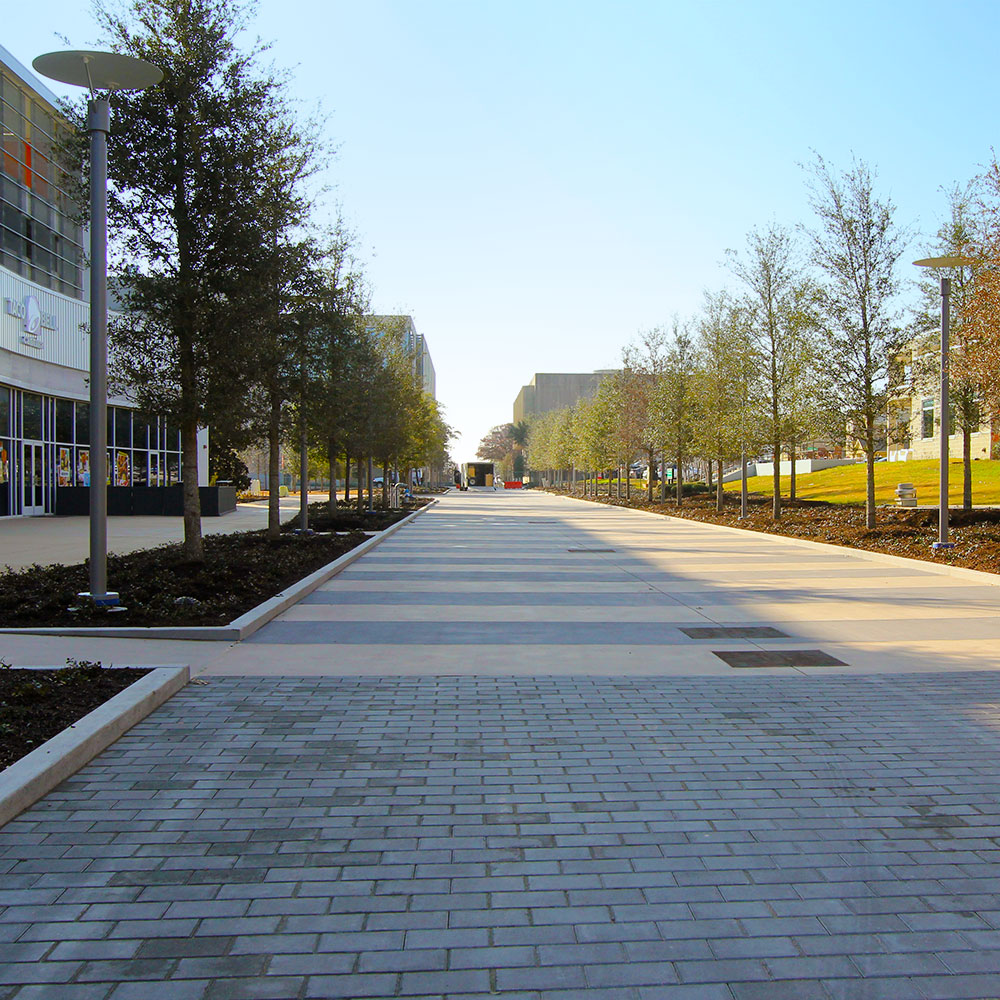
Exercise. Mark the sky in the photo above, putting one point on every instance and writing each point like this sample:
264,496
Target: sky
536,183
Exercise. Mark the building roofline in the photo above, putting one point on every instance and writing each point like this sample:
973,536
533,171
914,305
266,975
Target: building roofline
28,78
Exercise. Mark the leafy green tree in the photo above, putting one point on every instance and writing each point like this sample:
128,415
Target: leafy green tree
190,161
968,391
674,400
775,300
857,246
725,364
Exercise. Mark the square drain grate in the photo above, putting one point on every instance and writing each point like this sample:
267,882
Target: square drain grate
779,658
734,632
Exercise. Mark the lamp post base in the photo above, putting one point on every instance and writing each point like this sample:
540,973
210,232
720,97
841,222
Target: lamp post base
936,546
108,601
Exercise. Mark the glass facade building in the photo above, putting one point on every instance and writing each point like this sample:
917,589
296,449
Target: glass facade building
44,327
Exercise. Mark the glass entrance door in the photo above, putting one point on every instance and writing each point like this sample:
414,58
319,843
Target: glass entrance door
33,478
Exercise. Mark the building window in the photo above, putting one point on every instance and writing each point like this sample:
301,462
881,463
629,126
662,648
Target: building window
64,420
31,416
927,423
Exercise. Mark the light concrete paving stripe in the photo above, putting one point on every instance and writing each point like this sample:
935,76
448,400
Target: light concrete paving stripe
838,614
471,633
598,574
487,598
500,586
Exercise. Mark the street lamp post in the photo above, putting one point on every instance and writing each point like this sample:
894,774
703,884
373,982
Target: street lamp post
949,262
98,71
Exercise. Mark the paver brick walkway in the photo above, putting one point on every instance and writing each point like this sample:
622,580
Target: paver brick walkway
528,837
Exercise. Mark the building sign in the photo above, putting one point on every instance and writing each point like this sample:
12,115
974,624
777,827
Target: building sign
32,318
39,323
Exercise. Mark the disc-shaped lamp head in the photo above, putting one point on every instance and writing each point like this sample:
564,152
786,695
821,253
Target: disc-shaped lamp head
98,70
949,260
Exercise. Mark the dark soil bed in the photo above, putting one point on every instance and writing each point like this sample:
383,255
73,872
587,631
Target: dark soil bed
159,587
35,705
976,533
347,517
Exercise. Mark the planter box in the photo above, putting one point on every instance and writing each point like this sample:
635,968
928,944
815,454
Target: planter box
165,501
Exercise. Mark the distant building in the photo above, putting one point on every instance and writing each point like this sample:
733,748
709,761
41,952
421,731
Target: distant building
413,344
914,412
548,391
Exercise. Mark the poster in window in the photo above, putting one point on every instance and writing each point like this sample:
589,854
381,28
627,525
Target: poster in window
65,473
123,475
154,469
82,467
4,463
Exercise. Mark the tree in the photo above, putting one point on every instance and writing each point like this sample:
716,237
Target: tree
857,246
189,161
770,270
725,358
673,399
497,444
969,382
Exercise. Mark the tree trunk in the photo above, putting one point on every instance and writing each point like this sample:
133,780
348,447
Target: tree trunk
743,484
628,482
870,487
663,478
303,481
649,477
331,457
371,482
967,468
708,473
347,478
194,550
720,493
274,469
361,489
385,485
776,481
791,486
679,478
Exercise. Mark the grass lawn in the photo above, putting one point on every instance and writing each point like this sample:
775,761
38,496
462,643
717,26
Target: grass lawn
846,483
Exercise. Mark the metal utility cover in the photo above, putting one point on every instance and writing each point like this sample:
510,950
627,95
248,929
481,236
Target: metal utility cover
778,658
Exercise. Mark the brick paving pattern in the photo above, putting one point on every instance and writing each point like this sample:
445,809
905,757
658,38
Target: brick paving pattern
635,838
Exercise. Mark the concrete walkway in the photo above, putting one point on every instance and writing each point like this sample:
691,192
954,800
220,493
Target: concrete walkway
488,759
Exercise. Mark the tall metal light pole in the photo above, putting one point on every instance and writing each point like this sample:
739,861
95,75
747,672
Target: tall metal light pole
949,262
98,71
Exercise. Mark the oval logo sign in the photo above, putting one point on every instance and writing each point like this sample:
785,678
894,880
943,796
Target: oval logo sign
32,315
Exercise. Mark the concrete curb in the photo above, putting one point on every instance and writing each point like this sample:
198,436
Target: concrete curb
247,623
31,777
977,575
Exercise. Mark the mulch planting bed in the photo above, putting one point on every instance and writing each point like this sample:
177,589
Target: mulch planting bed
347,517
160,587
35,705
976,533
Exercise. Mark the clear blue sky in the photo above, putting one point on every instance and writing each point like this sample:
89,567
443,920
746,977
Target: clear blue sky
536,182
